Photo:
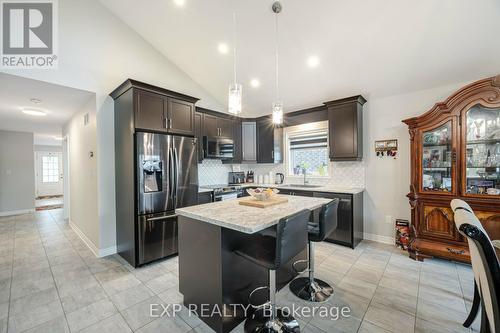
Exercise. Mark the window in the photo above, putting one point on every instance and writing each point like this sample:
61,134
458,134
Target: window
50,169
307,149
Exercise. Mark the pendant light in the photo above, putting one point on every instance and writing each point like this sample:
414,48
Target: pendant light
235,89
277,107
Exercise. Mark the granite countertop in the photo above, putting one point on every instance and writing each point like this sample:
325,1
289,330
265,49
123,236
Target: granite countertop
328,188
230,214
202,189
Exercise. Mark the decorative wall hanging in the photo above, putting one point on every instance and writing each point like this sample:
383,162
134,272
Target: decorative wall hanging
387,148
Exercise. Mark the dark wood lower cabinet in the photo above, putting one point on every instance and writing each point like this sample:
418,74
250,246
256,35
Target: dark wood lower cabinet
205,197
349,230
212,275
297,192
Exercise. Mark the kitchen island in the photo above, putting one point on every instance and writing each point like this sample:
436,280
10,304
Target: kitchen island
211,275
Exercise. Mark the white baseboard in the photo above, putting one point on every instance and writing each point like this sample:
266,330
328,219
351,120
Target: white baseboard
107,251
97,252
379,238
17,212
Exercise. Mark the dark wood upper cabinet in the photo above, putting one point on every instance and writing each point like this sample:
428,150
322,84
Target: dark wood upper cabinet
159,110
210,125
269,142
198,130
345,122
150,111
236,135
226,128
180,117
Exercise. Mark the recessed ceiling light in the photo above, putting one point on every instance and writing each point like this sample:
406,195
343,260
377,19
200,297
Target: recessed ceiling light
313,61
223,48
255,83
35,100
33,112
180,3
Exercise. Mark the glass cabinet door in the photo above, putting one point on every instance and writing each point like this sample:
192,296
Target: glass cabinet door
482,160
437,159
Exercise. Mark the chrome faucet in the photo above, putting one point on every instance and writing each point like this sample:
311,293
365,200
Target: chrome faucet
304,172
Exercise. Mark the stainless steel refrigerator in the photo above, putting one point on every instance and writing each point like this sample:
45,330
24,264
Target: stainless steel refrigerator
167,178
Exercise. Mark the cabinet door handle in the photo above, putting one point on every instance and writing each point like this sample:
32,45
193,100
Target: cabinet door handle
170,123
165,123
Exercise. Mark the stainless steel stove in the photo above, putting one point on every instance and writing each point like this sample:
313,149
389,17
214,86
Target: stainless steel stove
225,192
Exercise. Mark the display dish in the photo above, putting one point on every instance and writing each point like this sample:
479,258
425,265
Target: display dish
262,194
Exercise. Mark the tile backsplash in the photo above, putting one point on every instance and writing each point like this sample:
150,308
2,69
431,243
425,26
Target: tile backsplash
343,174
213,172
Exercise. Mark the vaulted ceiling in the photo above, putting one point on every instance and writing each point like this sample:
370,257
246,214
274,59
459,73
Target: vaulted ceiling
375,48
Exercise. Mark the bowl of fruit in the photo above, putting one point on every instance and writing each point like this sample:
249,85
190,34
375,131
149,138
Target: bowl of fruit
262,194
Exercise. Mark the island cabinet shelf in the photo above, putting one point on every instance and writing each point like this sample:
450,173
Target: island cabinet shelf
451,147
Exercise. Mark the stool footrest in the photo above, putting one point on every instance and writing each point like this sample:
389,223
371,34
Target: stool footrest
319,291
260,322
260,306
301,262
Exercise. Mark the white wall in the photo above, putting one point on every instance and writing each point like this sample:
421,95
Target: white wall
388,180
17,172
83,172
97,52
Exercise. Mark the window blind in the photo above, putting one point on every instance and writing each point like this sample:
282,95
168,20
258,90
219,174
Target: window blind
316,140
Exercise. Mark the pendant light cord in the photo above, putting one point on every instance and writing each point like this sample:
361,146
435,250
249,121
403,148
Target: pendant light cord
234,47
277,59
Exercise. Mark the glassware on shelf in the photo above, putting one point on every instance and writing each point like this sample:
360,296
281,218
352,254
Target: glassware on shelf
483,151
437,159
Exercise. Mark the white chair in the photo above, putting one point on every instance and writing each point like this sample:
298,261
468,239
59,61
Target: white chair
485,266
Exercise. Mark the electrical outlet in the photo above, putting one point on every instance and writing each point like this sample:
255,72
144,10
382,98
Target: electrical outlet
388,219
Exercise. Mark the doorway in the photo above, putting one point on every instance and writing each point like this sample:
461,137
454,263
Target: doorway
49,180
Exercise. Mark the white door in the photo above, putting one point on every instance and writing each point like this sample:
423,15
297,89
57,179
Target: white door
49,174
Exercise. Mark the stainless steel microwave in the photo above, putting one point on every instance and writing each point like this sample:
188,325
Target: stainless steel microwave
218,148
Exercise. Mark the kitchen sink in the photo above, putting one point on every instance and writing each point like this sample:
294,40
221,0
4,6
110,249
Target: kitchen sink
301,185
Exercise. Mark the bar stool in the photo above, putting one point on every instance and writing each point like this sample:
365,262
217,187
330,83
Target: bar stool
309,288
271,252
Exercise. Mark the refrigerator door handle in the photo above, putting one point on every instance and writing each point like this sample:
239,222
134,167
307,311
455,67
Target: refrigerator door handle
176,167
171,172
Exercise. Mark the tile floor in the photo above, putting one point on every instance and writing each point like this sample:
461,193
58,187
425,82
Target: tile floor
51,282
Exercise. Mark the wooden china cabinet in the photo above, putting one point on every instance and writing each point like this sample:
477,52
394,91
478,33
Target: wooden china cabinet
455,153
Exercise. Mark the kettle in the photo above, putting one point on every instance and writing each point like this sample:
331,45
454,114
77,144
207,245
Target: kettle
279,179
